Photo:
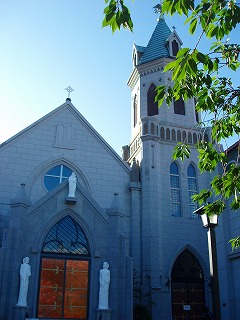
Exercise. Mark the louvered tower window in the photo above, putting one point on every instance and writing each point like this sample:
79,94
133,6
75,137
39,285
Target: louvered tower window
179,106
175,48
152,105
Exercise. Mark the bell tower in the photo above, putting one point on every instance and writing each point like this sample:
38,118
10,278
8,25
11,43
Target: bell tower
174,123
164,213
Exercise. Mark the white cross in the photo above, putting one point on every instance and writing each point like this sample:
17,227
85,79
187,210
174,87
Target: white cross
69,90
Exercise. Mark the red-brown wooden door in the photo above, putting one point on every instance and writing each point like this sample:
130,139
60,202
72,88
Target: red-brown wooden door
63,292
187,285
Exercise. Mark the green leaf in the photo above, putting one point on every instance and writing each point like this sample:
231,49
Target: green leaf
235,243
202,197
182,52
201,57
193,26
181,151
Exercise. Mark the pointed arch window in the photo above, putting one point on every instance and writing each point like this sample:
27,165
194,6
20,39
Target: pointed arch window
192,189
135,110
66,237
179,106
186,267
175,48
64,273
175,190
152,105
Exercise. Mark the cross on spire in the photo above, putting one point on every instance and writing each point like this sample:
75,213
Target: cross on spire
158,10
69,90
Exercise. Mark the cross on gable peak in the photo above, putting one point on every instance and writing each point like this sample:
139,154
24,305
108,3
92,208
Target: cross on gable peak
69,90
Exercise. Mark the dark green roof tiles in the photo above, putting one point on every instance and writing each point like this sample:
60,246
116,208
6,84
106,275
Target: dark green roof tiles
157,45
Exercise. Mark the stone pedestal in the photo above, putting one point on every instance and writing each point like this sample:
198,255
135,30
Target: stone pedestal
103,314
70,200
19,312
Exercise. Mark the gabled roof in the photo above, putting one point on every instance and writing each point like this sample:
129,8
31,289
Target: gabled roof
69,106
140,49
157,45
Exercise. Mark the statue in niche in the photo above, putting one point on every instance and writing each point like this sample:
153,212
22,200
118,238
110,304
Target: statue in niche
72,183
25,273
104,280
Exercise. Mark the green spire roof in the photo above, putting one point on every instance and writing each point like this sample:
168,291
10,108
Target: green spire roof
157,47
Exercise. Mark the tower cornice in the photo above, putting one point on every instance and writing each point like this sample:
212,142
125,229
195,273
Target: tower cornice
147,68
134,77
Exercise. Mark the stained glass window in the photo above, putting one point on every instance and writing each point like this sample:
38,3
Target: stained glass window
67,237
192,189
175,190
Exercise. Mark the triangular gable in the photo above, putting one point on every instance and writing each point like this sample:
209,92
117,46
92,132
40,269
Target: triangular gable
137,53
175,36
71,108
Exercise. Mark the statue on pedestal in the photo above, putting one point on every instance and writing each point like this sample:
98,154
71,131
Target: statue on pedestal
104,280
72,183
25,273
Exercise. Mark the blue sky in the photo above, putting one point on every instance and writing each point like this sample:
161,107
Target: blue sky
48,45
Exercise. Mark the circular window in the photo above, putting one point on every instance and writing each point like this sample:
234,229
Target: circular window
55,176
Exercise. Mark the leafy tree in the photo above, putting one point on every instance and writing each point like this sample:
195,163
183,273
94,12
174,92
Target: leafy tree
197,74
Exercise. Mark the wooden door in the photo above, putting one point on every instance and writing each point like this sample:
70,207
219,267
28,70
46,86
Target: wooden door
187,285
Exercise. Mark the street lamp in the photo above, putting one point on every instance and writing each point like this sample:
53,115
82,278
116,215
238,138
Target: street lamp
210,222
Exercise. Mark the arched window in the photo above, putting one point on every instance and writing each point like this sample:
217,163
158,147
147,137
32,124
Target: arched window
206,137
168,134
179,138
135,110
63,288
189,137
194,138
175,48
186,267
192,189
152,105
184,136
145,128
152,128
179,106
175,190
162,133
56,175
173,135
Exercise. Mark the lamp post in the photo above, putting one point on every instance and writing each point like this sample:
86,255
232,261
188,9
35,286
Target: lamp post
210,222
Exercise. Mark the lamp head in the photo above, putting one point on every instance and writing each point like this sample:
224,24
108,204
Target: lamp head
207,220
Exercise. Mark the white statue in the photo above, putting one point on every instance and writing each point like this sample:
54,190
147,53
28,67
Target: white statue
104,279
72,183
25,273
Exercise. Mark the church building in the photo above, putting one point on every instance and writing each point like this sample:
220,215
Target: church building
133,215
